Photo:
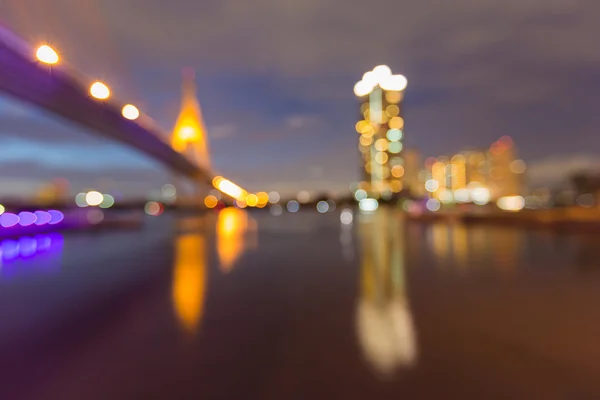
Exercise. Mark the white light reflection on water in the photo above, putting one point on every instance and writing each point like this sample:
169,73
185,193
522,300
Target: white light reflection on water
383,318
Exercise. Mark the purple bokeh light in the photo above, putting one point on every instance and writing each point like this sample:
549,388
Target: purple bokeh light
27,218
8,220
43,217
55,217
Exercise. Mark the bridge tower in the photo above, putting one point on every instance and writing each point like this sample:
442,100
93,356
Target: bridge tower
189,134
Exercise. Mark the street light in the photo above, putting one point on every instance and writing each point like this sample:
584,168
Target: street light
131,112
99,90
47,55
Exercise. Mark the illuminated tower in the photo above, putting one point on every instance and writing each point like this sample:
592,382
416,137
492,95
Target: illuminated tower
381,130
189,134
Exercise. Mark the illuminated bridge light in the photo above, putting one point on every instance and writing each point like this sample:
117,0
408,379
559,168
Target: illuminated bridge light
231,189
56,217
47,55
131,112
27,218
99,90
8,220
42,217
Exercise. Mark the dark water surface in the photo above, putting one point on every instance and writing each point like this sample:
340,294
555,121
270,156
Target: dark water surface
300,306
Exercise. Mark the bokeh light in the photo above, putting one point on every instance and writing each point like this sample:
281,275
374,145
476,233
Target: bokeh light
346,216
396,123
397,171
368,205
2,209
322,206
252,200
511,203
394,135
153,208
293,206
432,185
27,218
130,112
47,55
381,145
108,201
56,217
360,194
168,190
303,196
94,198
433,205
99,90
80,200
211,201
42,217
274,197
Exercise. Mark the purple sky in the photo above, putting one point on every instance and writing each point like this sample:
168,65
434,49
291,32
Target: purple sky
275,80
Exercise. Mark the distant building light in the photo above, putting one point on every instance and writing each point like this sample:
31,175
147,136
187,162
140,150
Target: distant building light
368,205
293,206
322,207
511,203
433,205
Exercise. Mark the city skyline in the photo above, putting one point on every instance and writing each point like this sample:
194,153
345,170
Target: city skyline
281,116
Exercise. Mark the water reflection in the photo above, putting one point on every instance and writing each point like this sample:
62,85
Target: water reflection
18,255
472,247
384,322
236,232
189,279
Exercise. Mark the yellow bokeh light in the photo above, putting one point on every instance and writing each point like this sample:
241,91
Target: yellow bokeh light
365,141
131,112
396,123
367,115
368,131
368,167
392,110
47,55
241,203
381,157
211,201
397,171
216,181
396,186
252,200
393,97
381,145
360,125
263,198
99,90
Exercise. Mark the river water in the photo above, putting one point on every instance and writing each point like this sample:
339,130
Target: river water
300,306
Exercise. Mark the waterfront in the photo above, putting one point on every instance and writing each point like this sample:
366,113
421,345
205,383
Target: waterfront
302,306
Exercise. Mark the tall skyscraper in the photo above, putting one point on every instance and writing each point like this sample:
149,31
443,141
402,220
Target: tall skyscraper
381,129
